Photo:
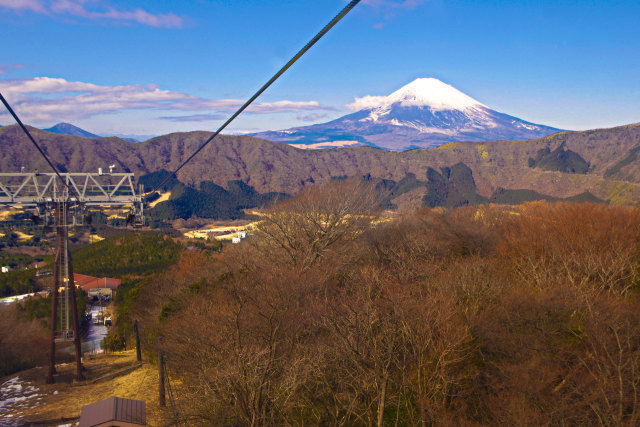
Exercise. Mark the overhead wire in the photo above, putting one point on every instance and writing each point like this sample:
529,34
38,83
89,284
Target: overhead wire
293,60
282,70
26,131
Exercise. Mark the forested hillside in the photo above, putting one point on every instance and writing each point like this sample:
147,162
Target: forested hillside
474,316
128,254
209,201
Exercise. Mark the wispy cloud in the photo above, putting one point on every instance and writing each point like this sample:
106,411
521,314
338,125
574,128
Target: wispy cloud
396,4
18,5
194,118
93,10
287,107
387,9
4,68
46,100
311,117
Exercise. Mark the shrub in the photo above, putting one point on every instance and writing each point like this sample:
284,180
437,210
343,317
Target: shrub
113,342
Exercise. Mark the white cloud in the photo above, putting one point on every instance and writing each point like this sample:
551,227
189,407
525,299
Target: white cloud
94,10
44,100
366,102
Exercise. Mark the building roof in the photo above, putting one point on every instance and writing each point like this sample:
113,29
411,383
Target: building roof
114,411
90,282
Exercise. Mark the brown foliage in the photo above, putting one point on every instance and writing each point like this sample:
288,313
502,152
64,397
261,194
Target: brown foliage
608,371
301,231
583,245
23,342
471,317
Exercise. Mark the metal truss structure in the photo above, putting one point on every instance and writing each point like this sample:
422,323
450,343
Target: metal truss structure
81,192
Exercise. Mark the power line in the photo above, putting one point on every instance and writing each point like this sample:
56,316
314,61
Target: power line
302,51
24,128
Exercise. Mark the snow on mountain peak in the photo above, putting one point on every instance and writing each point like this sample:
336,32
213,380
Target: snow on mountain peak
432,93
423,92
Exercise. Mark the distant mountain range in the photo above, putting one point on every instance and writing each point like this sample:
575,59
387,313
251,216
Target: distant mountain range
69,129
425,113
604,162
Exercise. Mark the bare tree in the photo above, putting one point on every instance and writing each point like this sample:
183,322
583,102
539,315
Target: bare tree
588,245
300,231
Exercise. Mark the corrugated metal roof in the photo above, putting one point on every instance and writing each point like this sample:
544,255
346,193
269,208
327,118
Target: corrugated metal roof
115,409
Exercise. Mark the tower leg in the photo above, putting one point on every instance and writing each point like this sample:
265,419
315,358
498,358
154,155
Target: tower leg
76,323
54,291
161,392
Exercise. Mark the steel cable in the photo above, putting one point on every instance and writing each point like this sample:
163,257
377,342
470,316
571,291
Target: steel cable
26,131
302,51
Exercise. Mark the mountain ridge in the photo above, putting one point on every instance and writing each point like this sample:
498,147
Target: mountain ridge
275,167
64,128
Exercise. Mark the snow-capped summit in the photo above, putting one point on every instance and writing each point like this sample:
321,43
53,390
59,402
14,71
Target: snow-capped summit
424,113
423,92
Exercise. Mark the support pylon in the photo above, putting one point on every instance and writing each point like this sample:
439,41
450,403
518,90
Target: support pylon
76,323
63,255
54,310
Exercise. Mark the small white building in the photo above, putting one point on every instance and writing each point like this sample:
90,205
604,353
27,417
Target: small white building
99,292
235,240
242,234
5,269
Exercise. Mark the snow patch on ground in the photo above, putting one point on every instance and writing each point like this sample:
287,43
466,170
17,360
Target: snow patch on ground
16,396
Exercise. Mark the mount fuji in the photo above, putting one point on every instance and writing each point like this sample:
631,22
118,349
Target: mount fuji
424,113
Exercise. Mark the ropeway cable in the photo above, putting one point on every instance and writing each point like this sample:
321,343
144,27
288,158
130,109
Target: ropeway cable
24,128
302,51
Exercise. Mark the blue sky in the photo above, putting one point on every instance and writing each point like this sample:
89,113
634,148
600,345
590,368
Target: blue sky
150,67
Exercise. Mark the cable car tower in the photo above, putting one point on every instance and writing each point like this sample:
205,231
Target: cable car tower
60,206
61,200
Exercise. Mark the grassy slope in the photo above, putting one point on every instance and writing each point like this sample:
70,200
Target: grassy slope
140,384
